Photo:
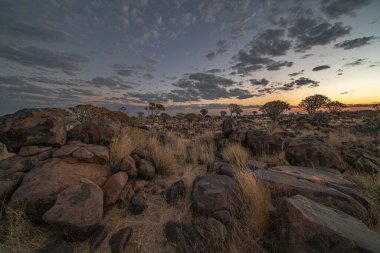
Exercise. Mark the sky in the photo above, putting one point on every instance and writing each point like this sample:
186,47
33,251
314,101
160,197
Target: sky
187,54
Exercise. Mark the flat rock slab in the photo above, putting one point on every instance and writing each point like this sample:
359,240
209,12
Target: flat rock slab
33,150
89,153
77,211
40,187
311,227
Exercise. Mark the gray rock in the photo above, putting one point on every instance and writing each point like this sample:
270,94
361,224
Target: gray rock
175,192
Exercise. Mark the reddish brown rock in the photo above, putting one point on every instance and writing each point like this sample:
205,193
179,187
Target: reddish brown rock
18,163
119,241
229,126
33,127
9,181
138,203
128,165
77,210
260,142
146,169
90,153
306,226
40,187
113,187
311,152
33,150
175,192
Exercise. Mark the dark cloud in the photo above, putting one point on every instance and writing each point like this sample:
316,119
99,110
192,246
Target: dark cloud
356,62
210,79
306,56
337,8
148,76
222,47
40,57
322,67
296,73
261,81
300,82
278,65
309,32
33,32
359,42
123,70
213,71
112,83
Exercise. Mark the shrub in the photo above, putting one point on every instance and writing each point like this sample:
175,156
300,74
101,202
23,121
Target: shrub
274,109
313,103
335,106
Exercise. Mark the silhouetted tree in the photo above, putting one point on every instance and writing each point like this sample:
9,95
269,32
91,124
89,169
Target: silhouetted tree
233,108
313,103
190,117
274,109
335,106
238,111
376,107
223,113
204,112
154,109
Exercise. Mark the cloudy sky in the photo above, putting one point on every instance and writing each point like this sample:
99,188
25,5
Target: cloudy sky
187,53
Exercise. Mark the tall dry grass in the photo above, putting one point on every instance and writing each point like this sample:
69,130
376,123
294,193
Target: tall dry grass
162,156
17,234
275,159
236,155
251,219
203,149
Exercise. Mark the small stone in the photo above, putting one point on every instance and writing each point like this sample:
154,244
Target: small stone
128,165
175,192
138,203
146,169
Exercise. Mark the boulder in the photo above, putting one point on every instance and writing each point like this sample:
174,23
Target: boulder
19,164
257,165
119,241
365,165
26,127
95,131
146,169
113,187
185,238
260,142
307,226
138,203
229,126
33,150
9,181
175,192
40,187
77,210
98,237
128,165
311,152
89,153
212,195
57,246
300,181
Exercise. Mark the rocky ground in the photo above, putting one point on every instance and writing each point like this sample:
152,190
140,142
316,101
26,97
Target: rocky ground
212,185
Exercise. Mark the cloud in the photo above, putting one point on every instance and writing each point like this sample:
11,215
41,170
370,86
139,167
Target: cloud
123,70
112,83
213,71
278,65
337,8
310,32
359,42
356,62
222,47
296,73
262,82
39,57
300,82
33,32
322,67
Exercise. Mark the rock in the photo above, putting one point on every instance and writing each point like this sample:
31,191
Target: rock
95,131
33,150
365,165
185,238
19,164
146,169
119,241
238,136
229,126
260,142
138,203
213,193
89,153
77,210
213,232
315,188
9,181
40,187
257,165
307,226
175,192
33,127
139,185
58,246
45,155
311,152
222,168
98,237
128,165
138,154
113,187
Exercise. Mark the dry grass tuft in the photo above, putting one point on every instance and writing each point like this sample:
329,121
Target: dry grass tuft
203,151
236,155
275,159
251,219
162,155
124,142
17,234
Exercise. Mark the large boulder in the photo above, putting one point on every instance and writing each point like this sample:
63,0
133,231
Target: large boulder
307,226
20,164
95,131
314,190
89,153
113,187
229,126
260,142
9,181
77,211
213,195
311,152
40,187
33,127
33,150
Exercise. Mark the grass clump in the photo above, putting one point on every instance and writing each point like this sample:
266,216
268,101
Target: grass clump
236,155
203,151
162,156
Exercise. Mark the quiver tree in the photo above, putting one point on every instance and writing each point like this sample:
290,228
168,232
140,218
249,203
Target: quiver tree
274,109
154,109
313,103
204,112
335,106
234,108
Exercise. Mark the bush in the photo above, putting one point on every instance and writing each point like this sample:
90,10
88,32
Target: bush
274,109
313,103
